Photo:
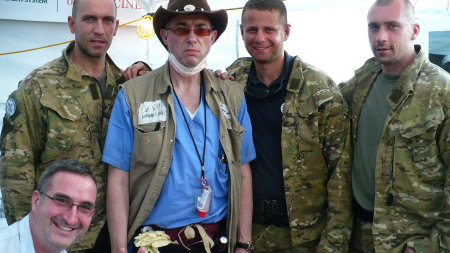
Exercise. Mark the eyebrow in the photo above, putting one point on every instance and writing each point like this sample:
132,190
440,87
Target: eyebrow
185,23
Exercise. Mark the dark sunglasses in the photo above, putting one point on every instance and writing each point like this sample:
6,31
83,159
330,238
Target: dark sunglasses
183,31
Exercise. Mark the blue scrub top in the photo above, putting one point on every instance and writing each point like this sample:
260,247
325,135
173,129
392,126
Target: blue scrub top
176,204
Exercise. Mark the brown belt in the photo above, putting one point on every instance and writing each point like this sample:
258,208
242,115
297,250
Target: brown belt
212,229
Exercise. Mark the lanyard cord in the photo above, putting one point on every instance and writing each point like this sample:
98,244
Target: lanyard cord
202,161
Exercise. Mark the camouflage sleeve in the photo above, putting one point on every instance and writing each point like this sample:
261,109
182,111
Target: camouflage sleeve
335,129
346,89
440,233
239,69
19,144
444,144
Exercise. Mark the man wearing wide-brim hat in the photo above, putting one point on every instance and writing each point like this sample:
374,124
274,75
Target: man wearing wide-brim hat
179,145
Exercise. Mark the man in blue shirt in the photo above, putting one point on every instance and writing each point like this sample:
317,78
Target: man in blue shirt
179,142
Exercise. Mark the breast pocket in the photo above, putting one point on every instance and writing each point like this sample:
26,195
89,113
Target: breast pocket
148,142
65,127
419,138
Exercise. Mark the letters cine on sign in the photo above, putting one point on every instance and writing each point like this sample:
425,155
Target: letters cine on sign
59,10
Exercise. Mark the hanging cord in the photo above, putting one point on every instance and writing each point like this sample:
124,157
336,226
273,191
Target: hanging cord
202,160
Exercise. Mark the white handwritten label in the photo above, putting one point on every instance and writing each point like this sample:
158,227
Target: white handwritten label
151,112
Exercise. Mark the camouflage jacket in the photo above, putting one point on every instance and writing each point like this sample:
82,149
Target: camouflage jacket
316,160
55,113
412,186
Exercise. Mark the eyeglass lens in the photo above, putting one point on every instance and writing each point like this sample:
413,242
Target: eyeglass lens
182,31
66,204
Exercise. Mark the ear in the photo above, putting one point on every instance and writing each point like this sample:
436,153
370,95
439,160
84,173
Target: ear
213,36
415,31
287,31
242,31
163,35
117,26
35,200
71,22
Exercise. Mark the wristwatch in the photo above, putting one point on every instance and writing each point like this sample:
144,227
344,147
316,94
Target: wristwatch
248,246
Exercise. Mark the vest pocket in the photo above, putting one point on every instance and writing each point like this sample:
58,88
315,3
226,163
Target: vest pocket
418,136
148,144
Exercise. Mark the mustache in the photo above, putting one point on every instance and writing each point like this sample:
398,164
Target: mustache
381,45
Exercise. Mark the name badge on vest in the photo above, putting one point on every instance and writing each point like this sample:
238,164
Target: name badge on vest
151,112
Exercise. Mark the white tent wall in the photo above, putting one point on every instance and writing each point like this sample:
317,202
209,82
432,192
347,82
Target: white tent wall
16,35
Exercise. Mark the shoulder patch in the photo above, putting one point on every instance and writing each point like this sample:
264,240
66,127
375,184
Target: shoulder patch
11,107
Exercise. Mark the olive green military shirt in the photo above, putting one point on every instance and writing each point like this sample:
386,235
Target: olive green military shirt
371,124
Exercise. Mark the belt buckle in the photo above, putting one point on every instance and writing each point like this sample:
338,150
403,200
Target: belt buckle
271,207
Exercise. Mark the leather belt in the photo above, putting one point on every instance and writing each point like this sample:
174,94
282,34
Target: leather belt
270,212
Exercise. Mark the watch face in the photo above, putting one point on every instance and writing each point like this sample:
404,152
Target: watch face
249,246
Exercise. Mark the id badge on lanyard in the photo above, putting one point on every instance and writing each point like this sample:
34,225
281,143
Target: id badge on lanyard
204,201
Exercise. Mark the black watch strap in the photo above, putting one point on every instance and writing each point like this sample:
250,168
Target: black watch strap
249,246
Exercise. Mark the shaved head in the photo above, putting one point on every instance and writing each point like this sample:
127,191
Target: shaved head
76,4
408,10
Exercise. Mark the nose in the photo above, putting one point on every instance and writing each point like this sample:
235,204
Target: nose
71,216
99,29
260,36
191,37
382,35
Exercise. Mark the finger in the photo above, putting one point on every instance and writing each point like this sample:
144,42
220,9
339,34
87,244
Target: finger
218,73
142,72
127,74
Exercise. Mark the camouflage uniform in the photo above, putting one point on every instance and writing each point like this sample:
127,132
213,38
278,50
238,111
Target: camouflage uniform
316,161
411,176
55,113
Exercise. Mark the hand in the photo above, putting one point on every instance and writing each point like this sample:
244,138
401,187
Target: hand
223,75
141,250
239,250
121,250
137,69
408,250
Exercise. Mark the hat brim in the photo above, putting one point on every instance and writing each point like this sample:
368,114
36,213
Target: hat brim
219,20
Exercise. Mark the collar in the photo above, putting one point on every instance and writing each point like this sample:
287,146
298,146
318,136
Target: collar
26,239
256,88
409,77
365,76
210,81
113,72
